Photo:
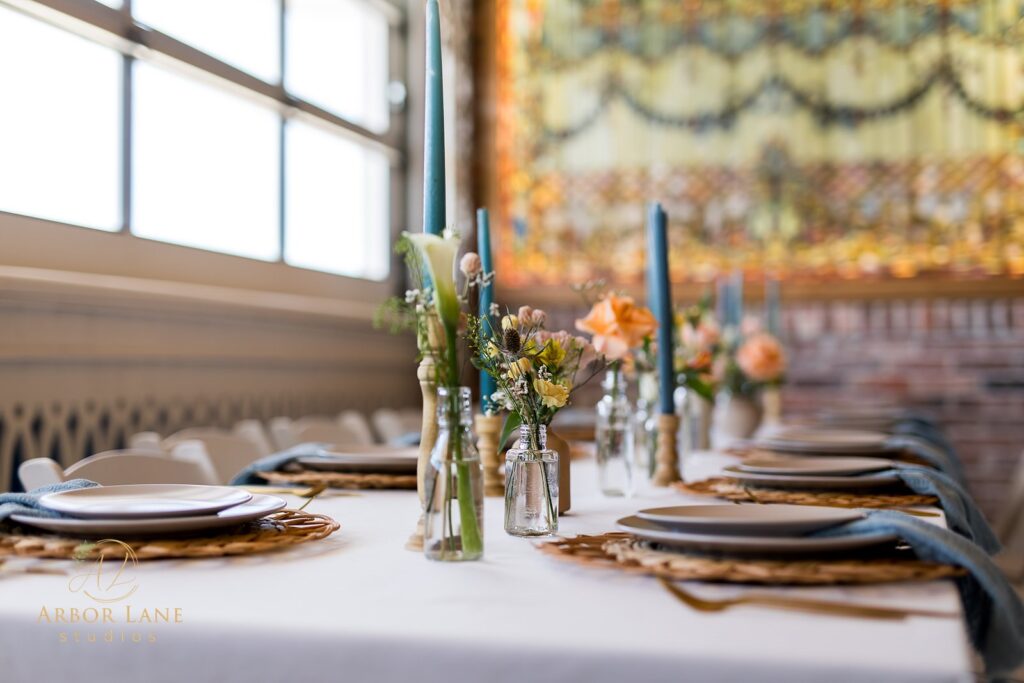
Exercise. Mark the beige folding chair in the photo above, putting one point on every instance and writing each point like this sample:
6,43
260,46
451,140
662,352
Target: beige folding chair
228,453
253,431
145,441
281,434
119,467
327,430
388,424
356,423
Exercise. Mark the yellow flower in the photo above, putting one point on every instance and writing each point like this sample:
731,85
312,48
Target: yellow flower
552,354
509,322
552,395
521,367
492,350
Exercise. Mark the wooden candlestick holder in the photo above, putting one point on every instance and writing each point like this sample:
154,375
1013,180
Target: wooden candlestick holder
427,375
668,461
488,434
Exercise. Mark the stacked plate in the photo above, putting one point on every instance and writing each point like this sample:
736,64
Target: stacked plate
150,509
824,441
748,529
364,460
836,473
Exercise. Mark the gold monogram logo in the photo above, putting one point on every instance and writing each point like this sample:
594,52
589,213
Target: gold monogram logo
104,585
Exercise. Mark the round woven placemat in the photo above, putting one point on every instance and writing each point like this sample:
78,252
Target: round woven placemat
342,480
730,489
624,552
280,530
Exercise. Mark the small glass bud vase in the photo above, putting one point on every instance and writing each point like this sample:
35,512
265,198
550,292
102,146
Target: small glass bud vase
645,425
531,485
615,437
453,527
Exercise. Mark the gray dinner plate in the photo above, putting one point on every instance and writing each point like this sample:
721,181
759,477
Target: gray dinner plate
258,506
795,481
770,520
745,545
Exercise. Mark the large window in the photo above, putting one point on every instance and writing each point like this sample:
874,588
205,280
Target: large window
257,128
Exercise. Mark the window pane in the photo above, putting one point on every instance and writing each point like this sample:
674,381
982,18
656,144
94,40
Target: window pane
59,125
243,33
337,58
337,204
205,166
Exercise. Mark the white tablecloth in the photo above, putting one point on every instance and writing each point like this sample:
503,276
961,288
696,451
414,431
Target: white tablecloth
359,607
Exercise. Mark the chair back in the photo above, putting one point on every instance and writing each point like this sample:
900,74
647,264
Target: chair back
228,453
39,472
145,441
356,423
281,434
388,424
253,431
327,430
138,467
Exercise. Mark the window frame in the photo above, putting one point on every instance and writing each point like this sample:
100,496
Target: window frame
35,242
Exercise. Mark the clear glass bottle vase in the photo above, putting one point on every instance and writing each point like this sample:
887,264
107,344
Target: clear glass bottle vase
531,485
645,424
453,527
615,437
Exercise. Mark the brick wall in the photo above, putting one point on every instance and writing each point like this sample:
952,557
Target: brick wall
960,361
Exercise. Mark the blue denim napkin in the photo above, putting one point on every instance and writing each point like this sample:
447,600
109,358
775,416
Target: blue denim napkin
930,453
274,462
962,513
995,615
27,503
408,439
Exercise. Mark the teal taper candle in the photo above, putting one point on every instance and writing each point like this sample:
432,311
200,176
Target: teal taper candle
483,245
433,128
657,253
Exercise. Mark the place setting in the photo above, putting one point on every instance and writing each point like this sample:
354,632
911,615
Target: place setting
336,466
157,520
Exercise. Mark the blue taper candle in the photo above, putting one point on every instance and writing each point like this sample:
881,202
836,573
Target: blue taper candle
771,305
483,245
737,298
657,249
433,128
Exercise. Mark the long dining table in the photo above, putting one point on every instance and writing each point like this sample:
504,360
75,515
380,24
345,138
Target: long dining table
358,606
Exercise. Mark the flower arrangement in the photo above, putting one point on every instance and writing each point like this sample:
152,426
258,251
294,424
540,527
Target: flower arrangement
618,326
535,370
434,308
756,361
699,348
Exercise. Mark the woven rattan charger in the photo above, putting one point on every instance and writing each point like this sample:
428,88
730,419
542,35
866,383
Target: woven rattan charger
341,480
624,552
277,531
728,488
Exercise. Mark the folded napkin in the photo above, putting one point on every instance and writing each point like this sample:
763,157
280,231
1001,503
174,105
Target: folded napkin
277,461
995,615
930,453
407,439
28,503
962,513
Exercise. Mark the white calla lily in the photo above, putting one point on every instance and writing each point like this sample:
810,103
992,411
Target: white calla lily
438,257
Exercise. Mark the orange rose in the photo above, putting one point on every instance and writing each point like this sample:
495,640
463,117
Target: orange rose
761,358
617,325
